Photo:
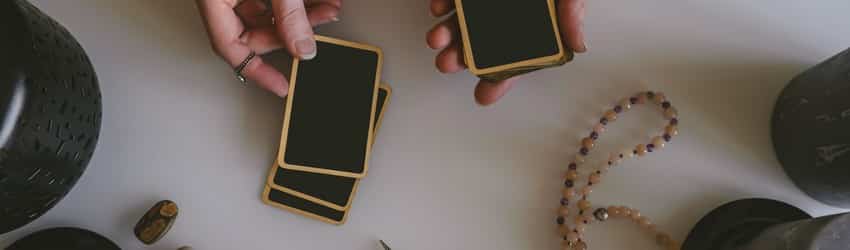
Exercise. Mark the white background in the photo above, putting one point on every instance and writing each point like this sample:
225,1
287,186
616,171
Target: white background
446,173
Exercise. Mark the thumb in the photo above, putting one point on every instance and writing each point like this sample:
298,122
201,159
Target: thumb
294,28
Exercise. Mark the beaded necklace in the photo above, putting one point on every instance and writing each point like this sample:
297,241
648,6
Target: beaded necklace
573,236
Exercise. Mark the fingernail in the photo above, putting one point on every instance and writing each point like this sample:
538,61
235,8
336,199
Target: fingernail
335,19
306,48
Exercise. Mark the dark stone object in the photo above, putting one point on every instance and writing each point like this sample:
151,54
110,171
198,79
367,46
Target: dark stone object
761,224
64,238
156,222
735,224
50,113
811,131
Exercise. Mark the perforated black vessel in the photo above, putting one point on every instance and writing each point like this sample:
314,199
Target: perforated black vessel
51,113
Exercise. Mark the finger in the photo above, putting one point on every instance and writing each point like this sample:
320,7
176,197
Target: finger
442,34
322,13
224,28
266,76
450,60
441,7
487,93
294,28
571,16
262,40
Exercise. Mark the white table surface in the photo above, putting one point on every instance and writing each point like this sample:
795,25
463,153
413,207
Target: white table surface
446,173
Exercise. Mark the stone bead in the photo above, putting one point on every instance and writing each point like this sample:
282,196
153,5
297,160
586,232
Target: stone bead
628,154
572,237
601,214
156,222
595,178
580,228
615,159
563,230
614,211
572,175
564,211
584,205
625,104
641,99
659,98
627,212
599,128
610,115
645,223
579,159
580,246
671,130
583,219
569,193
586,190
671,113
641,150
659,142
635,214
588,143
673,245
662,239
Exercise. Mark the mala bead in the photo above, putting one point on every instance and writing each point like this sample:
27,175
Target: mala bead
673,245
628,154
645,223
564,211
659,142
563,230
614,211
635,214
572,175
595,178
584,205
662,239
572,237
641,99
626,104
659,98
599,128
671,130
671,113
580,228
641,150
601,214
615,160
610,115
588,143
626,211
580,246
569,193
579,159
586,190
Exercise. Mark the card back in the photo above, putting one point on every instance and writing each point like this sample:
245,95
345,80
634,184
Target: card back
328,122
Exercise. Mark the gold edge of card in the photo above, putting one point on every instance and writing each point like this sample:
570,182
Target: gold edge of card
389,90
292,83
265,198
270,182
287,109
470,59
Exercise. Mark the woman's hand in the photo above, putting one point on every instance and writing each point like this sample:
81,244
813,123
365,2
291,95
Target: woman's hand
445,37
261,28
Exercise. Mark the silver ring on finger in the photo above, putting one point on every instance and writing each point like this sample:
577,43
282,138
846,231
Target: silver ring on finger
238,69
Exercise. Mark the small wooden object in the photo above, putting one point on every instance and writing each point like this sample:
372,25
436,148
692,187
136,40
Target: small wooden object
156,222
